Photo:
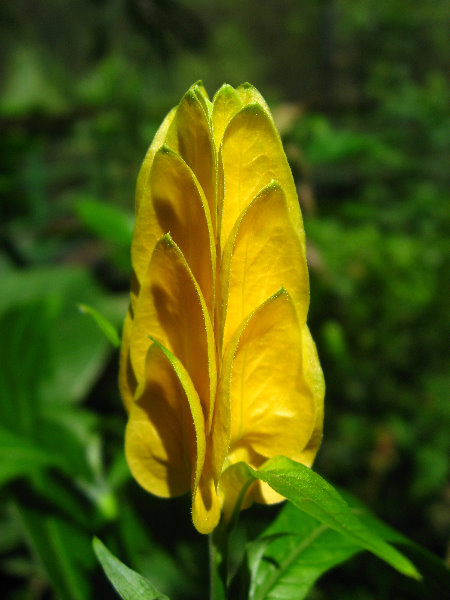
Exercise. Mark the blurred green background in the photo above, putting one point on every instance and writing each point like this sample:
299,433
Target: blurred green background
359,92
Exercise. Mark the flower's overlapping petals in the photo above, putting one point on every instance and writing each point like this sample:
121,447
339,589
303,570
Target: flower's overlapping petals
313,375
180,208
165,438
250,95
144,172
203,96
195,142
217,179
234,483
263,254
271,407
251,156
127,378
267,391
175,203
206,506
171,309
226,103
146,233
174,132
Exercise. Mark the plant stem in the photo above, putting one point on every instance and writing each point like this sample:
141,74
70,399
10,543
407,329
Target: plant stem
217,585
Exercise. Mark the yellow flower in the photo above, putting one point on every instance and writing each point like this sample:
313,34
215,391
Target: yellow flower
217,363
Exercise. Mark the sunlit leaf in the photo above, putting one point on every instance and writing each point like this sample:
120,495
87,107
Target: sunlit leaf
296,550
317,498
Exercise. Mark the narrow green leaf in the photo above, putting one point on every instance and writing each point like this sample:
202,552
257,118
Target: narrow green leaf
129,584
25,364
313,495
108,328
63,549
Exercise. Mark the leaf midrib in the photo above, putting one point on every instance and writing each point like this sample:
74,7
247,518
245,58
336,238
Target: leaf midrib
288,561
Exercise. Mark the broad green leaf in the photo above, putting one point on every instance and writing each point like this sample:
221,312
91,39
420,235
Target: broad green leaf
108,328
108,222
292,554
19,456
317,498
36,364
129,584
296,550
77,349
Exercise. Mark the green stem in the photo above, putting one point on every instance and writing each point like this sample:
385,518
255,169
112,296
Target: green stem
217,584
219,540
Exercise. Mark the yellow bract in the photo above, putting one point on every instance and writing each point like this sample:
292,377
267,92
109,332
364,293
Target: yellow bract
217,364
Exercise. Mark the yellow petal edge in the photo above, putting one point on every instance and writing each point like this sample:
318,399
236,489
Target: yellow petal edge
217,364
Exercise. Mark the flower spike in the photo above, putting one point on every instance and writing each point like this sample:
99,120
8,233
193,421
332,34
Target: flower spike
217,363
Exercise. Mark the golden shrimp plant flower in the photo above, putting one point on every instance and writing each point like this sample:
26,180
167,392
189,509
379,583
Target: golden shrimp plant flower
217,363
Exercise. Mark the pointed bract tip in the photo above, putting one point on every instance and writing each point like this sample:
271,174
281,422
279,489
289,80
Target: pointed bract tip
167,239
190,96
254,108
165,149
274,185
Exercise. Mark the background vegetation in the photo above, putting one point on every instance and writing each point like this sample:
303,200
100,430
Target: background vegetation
359,92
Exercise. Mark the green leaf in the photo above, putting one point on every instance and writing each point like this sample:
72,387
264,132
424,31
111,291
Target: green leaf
296,550
19,456
165,566
129,584
435,573
313,495
24,364
108,222
108,328
69,432
71,350
63,549
292,554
